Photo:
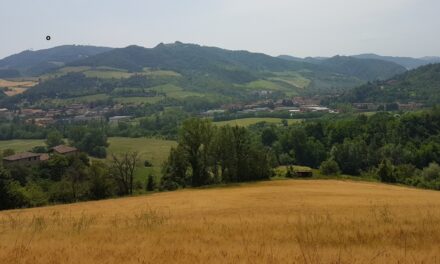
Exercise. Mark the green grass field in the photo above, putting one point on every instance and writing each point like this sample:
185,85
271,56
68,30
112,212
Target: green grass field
107,74
138,100
292,78
272,85
251,121
154,150
174,91
20,145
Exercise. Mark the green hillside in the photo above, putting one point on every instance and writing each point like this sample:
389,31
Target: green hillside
420,85
363,68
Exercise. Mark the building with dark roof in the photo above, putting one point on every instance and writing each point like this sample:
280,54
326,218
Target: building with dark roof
24,158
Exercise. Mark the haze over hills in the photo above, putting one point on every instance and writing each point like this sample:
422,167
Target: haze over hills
364,69
418,85
34,63
407,62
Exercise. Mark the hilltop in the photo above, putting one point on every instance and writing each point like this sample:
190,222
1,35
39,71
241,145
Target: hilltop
34,63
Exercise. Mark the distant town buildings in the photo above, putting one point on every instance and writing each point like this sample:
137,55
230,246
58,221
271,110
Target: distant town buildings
116,119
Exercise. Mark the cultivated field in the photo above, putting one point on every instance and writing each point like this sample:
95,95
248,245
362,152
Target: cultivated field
16,87
273,222
254,120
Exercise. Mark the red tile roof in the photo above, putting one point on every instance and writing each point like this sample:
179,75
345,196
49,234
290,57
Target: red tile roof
63,149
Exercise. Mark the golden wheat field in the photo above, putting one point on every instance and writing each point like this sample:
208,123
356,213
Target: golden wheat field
310,221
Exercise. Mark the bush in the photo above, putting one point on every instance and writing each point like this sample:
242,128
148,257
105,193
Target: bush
39,149
329,167
385,172
290,173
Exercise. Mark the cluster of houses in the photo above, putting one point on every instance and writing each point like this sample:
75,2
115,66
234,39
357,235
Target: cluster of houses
294,105
30,158
362,107
75,112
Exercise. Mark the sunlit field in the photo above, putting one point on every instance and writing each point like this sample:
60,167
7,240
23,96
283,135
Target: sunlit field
314,221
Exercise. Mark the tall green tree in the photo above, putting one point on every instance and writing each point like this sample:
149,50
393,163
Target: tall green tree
195,138
54,138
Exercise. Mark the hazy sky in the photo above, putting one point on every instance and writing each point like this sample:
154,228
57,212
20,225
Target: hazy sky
294,27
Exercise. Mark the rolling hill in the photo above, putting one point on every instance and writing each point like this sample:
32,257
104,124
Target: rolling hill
421,85
296,221
34,63
364,69
234,66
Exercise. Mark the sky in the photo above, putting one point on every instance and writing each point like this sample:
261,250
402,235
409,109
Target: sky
294,27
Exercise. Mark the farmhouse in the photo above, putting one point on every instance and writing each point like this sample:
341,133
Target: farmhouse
24,158
303,172
64,150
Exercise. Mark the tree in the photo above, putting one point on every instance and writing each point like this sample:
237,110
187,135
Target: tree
11,193
100,184
195,139
93,141
351,156
268,137
151,184
174,170
385,172
54,138
122,170
329,167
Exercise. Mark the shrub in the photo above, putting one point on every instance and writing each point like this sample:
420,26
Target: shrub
329,167
385,172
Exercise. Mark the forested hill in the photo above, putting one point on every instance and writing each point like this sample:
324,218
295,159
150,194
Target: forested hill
33,63
183,58
420,85
364,69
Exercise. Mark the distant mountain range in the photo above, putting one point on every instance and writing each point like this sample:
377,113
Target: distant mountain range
34,63
407,62
191,57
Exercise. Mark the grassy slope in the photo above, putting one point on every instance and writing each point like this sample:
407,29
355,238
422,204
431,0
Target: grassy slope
251,121
313,221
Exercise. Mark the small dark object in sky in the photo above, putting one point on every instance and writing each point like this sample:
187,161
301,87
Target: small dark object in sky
48,37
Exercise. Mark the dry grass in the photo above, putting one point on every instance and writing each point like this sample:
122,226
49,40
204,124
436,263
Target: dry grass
16,87
273,222
5,83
